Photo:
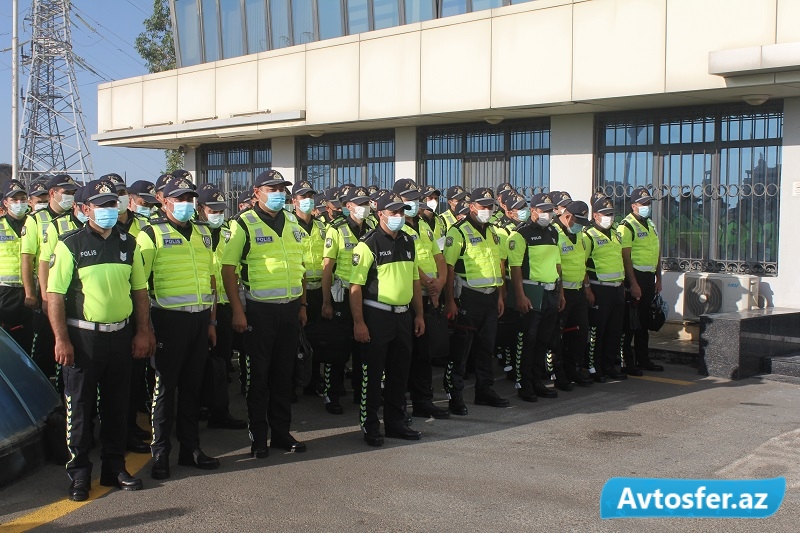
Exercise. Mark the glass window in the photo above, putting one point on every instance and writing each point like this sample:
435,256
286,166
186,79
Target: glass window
419,10
232,167
717,217
330,19
478,5
210,30
453,7
232,28
256,18
186,16
303,21
385,13
357,16
279,15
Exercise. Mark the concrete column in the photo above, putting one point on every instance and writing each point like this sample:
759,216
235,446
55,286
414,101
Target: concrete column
405,153
572,154
784,290
283,154
191,163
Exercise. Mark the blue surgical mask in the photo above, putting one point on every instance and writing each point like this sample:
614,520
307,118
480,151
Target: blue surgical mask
275,201
523,214
81,217
395,222
215,220
414,205
575,229
105,217
144,211
644,211
345,212
183,211
306,205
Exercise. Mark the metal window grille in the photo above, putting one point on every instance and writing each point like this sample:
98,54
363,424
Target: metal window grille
332,160
715,174
482,155
232,167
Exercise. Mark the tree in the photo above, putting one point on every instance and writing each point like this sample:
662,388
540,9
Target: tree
157,48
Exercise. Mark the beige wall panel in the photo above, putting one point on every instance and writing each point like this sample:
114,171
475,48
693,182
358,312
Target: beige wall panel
788,21
532,57
196,95
389,74
456,67
282,83
237,89
104,109
332,84
618,48
127,101
161,100
696,28
572,154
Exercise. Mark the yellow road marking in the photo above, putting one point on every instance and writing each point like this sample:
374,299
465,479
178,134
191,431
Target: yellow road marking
664,380
44,515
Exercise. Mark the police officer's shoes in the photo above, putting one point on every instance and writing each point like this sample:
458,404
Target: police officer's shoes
613,374
290,444
227,422
334,407
160,469
564,384
79,489
652,367
138,433
632,371
457,407
373,439
121,479
490,398
137,446
526,394
598,378
429,410
197,459
402,432
581,381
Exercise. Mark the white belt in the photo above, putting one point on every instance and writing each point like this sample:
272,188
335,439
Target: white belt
275,301
96,326
198,308
605,283
313,285
482,290
386,307
547,286
572,284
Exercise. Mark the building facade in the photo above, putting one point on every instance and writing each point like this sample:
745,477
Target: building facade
697,99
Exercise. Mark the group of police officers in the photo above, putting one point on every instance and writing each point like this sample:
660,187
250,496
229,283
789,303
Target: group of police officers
102,277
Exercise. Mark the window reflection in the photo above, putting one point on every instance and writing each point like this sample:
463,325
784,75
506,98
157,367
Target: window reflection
256,17
231,18
303,21
188,22
357,16
330,19
419,10
385,13
453,7
210,30
281,32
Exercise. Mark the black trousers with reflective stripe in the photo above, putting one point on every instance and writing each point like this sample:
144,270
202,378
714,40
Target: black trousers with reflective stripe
573,343
179,362
475,330
271,340
217,397
420,378
605,322
540,328
640,354
389,349
104,360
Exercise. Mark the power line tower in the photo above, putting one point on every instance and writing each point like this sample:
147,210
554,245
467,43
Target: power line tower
53,134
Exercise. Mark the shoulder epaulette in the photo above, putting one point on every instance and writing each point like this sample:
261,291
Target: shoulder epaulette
70,233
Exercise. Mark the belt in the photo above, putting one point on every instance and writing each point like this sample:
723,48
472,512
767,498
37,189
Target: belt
276,301
482,290
605,283
96,326
313,285
572,284
198,308
386,307
547,286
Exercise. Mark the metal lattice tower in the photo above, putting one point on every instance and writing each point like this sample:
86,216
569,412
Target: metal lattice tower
52,134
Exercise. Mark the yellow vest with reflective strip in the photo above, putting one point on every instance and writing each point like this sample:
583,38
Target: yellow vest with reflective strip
449,218
606,255
182,270
573,259
313,248
344,257
224,235
43,219
644,250
10,256
481,257
422,247
274,262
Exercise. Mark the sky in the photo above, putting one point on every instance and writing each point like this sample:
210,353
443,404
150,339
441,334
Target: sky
109,49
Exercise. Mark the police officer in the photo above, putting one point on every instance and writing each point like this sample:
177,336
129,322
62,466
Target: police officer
245,200
642,259
475,270
267,242
454,194
142,198
534,260
432,277
37,195
561,199
179,262
605,293
341,238
384,282
333,207
430,212
161,182
129,221
499,190
96,282
17,288
574,318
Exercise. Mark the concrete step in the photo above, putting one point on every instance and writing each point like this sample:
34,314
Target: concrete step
777,377
674,350
786,366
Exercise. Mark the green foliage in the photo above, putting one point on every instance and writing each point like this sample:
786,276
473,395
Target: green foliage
155,44
174,160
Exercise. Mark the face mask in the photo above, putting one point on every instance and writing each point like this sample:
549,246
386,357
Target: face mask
345,212
543,220
80,216
605,221
144,211
275,201
575,228
433,205
523,214
17,209
182,211
288,207
361,212
414,205
484,215
395,222
122,206
67,201
40,206
644,211
215,220
105,217
306,205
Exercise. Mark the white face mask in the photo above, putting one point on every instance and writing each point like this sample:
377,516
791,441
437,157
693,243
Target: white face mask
40,206
215,220
360,212
17,209
484,215
605,221
67,201
433,205
122,206
543,220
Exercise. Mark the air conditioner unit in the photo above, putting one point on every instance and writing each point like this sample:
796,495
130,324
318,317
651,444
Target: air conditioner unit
705,293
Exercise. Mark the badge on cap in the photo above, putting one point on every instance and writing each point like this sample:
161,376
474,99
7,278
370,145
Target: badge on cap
546,199
103,188
487,194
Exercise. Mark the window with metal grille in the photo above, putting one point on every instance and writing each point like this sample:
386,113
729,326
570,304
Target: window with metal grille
232,167
715,174
482,155
332,160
